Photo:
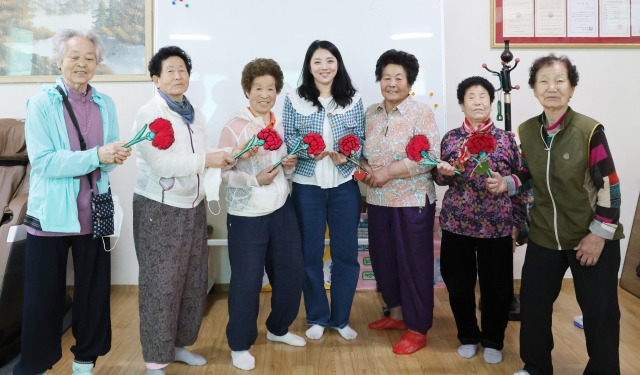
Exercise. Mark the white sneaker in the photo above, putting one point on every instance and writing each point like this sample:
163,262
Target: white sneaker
521,372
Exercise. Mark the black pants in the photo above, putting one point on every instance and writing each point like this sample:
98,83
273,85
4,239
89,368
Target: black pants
463,260
44,295
597,294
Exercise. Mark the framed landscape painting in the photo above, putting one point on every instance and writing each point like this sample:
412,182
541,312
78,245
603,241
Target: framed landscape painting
27,27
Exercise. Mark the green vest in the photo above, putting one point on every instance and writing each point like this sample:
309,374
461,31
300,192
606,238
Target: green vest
564,194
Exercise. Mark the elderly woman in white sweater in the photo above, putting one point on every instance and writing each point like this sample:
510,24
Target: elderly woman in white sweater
169,217
262,227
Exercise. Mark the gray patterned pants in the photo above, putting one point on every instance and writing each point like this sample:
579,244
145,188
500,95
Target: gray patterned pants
171,246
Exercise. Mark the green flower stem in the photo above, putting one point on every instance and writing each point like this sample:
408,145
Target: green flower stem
357,162
299,146
432,161
482,155
252,143
139,137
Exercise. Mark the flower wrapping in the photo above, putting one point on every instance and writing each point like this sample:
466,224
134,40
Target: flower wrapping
164,133
315,142
271,138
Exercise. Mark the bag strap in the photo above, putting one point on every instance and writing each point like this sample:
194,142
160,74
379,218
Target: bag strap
83,144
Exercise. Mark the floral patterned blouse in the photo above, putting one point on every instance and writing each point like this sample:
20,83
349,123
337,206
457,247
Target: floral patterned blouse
468,208
386,139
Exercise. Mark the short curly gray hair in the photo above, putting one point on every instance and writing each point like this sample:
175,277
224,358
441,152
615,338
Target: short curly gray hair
61,38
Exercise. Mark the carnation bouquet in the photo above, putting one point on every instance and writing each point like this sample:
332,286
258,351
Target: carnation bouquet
480,146
312,142
349,146
160,134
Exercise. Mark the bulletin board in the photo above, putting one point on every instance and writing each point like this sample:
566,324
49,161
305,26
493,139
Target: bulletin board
222,37
565,23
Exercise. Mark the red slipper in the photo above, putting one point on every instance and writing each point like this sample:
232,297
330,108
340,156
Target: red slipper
410,343
388,323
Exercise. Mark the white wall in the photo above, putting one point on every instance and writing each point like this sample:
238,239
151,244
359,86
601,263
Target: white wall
607,91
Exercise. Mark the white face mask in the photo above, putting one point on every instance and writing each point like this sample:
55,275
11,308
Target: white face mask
212,180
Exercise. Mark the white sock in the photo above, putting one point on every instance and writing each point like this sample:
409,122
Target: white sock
243,360
315,332
288,338
155,372
192,359
521,372
492,356
467,350
347,332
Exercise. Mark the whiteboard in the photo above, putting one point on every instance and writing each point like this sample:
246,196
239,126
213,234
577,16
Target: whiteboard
223,36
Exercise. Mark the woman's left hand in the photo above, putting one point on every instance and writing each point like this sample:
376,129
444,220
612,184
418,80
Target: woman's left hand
290,162
514,239
320,156
589,249
378,177
338,158
496,184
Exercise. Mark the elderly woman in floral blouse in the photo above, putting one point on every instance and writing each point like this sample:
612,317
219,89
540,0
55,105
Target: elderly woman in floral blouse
401,202
478,228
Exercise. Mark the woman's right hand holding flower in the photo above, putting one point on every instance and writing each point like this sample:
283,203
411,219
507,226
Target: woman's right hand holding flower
219,159
113,153
252,151
445,168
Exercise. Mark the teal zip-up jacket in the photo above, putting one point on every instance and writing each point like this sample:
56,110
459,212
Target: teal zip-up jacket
53,189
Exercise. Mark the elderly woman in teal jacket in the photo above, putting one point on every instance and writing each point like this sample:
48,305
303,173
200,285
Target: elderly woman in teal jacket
71,152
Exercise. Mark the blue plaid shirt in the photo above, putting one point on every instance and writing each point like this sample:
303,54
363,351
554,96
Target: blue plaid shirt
300,118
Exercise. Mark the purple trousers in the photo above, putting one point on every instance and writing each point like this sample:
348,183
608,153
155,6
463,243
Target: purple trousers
401,250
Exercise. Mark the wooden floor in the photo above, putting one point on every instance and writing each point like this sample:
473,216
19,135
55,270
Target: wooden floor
369,354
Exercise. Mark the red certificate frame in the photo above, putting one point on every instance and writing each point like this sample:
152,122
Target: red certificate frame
498,38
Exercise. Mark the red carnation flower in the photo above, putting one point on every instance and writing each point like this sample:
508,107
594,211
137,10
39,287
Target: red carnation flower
349,144
478,143
416,146
163,138
271,138
315,142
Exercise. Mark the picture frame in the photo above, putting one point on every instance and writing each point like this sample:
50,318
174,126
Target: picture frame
124,26
565,23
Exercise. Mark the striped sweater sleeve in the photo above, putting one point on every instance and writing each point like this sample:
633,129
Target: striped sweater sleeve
604,176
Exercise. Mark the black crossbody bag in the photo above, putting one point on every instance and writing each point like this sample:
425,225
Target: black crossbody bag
102,209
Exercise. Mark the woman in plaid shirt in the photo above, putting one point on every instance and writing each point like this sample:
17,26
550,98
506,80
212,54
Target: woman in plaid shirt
324,190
